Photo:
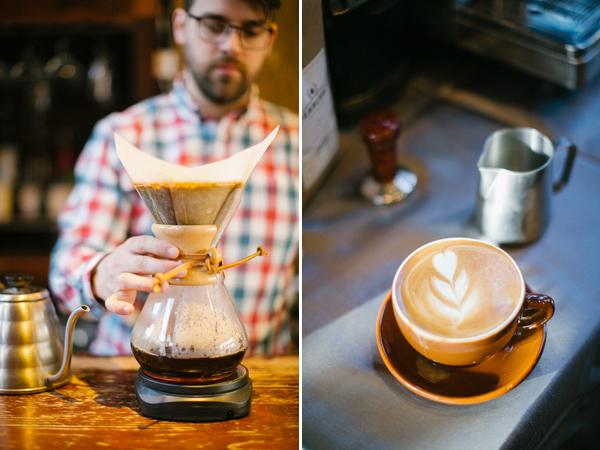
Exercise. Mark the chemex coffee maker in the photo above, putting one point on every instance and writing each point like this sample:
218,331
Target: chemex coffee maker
190,340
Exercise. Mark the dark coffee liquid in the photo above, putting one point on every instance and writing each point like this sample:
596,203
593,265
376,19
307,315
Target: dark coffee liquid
188,370
185,203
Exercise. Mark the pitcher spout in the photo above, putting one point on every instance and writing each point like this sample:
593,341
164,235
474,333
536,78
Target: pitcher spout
66,363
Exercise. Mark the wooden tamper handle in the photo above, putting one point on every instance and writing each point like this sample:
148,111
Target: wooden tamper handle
380,130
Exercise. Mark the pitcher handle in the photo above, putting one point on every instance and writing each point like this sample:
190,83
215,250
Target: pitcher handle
566,173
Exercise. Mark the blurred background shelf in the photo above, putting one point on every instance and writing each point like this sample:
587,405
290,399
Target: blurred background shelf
63,66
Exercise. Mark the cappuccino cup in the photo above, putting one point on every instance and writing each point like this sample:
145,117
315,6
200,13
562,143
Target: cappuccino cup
459,301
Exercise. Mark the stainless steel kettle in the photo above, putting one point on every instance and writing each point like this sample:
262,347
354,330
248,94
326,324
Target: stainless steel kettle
33,357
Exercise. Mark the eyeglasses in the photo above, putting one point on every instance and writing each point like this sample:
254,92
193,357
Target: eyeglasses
216,31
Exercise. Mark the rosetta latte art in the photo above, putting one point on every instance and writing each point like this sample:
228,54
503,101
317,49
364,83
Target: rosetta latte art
448,292
459,288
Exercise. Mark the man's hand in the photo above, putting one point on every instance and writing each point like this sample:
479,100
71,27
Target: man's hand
127,269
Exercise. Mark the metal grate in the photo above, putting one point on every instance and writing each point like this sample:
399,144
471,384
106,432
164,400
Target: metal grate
569,19
575,11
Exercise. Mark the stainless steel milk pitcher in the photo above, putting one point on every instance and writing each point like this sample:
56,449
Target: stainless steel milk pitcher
516,184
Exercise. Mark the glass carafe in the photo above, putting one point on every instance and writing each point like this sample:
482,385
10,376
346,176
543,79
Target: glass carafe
190,334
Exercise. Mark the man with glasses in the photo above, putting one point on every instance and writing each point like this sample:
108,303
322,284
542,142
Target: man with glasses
105,252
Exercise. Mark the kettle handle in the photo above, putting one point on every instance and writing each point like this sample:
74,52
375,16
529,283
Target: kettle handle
566,173
48,378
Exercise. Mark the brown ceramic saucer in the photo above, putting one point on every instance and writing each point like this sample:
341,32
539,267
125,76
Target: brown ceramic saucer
457,385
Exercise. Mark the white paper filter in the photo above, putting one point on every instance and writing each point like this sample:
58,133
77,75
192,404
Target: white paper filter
144,168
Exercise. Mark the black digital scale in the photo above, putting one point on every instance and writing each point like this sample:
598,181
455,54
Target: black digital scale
214,402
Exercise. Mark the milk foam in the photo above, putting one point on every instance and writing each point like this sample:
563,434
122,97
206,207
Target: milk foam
458,288
185,325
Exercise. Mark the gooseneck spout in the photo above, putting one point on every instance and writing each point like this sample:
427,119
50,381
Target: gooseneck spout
64,369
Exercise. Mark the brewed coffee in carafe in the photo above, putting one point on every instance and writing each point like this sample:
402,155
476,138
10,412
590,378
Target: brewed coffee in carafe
190,334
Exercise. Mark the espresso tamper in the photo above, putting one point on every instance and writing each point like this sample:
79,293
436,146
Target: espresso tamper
387,182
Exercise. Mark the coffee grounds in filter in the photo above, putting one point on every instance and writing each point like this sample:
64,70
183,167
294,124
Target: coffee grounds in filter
158,201
186,203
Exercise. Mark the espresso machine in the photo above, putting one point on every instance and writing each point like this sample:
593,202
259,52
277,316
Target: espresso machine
189,340
554,40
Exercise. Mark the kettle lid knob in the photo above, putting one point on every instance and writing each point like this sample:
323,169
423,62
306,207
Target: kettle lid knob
18,280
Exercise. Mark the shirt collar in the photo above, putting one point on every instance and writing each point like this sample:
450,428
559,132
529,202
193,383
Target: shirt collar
184,97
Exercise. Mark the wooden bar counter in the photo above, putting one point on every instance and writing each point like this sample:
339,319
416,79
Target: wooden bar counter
98,409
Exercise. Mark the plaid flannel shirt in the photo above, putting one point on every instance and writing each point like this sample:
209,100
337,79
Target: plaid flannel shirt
104,209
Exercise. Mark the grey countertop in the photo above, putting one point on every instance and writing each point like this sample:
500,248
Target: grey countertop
351,251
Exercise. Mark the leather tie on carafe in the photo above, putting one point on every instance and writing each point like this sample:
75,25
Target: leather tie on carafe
211,260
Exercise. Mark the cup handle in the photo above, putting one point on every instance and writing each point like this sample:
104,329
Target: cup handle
566,173
542,308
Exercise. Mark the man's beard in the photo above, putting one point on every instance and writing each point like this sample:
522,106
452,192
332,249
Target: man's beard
222,89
